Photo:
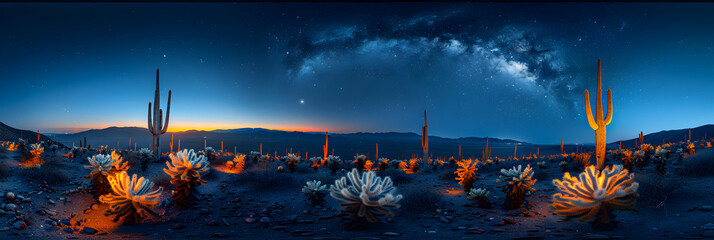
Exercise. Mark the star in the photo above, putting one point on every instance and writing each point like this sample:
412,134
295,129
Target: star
302,101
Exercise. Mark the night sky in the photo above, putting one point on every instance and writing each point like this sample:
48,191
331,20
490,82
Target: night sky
501,70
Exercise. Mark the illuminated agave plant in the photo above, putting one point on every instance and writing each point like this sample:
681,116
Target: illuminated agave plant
131,198
313,191
466,173
103,166
520,181
364,196
185,169
593,195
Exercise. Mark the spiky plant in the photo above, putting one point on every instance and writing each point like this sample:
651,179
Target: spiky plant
690,149
520,180
104,166
11,146
594,194
480,195
313,191
452,162
627,159
145,155
365,196
131,199
383,164
360,161
236,165
466,173
185,169
647,149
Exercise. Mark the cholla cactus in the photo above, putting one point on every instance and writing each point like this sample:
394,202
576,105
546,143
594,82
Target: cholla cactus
185,169
690,149
11,146
480,195
647,149
661,153
365,195
369,166
104,166
627,159
383,163
313,191
131,199
593,195
360,161
145,155
466,173
520,181
236,165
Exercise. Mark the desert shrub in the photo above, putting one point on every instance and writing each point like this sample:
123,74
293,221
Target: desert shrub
4,171
700,165
398,176
50,173
418,199
654,189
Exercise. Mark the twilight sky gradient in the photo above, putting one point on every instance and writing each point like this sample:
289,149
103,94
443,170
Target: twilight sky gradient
479,69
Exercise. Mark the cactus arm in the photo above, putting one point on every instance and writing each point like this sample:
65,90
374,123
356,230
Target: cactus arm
608,116
168,110
589,113
151,126
161,116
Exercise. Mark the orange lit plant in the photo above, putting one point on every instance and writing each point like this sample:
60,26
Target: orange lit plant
594,194
466,173
131,199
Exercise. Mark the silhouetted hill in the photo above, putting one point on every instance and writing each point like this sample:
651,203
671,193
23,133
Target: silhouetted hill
8,133
674,136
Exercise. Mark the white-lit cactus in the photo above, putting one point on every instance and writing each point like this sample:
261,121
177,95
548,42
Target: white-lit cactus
365,195
480,195
313,190
185,169
520,180
593,195
131,198
104,166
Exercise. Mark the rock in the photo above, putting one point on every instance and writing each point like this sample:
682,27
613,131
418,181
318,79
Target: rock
49,228
65,221
708,234
708,226
443,219
10,207
595,236
264,220
88,231
68,230
391,234
220,235
19,225
225,222
212,223
706,208
51,202
10,195
204,211
250,220
4,229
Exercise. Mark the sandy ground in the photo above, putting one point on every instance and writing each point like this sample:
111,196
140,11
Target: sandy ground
227,204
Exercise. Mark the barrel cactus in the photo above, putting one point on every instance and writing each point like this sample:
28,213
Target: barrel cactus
185,169
594,194
364,196
131,199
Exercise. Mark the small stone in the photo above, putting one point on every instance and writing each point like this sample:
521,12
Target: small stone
179,226
68,230
706,208
10,195
19,225
264,220
51,202
4,229
88,231
443,219
708,234
391,234
204,211
212,223
225,222
10,207
708,226
250,220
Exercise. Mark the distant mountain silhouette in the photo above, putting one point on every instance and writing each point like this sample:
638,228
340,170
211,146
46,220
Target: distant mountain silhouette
8,133
674,136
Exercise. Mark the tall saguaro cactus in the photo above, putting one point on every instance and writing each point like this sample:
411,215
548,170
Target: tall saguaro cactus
425,141
599,123
156,126
324,148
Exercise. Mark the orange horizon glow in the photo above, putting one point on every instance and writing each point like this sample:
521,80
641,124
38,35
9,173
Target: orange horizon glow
203,127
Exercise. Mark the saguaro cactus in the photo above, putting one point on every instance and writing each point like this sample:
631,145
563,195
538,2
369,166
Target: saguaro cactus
486,152
156,127
561,146
425,140
324,148
599,123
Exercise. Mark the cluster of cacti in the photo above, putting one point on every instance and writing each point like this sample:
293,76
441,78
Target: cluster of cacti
626,157
690,149
10,146
594,194
185,169
313,192
369,166
104,166
237,164
360,161
466,173
34,157
383,163
411,166
480,195
365,196
156,124
647,150
519,180
131,198
292,162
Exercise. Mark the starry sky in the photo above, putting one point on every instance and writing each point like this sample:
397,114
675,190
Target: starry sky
513,70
